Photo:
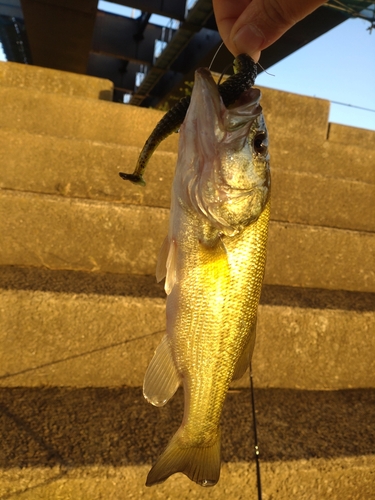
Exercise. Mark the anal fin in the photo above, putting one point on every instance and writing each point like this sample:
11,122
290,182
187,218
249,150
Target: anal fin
162,379
243,362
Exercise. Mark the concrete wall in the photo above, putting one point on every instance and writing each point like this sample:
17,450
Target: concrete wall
81,314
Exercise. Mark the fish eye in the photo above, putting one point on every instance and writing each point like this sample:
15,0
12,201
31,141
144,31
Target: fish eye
260,143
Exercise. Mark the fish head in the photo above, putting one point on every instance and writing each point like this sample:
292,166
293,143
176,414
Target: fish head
223,162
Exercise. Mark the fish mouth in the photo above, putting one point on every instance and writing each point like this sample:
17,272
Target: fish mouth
206,97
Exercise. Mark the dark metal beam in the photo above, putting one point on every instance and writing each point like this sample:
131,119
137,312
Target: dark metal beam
115,36
168,8
201,44
142,23
121,72
14,40
11,8
302,33
196,18
60,32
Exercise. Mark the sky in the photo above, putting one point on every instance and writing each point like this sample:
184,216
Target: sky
338,66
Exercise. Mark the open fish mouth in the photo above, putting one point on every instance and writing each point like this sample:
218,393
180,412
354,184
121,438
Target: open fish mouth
233,89
207,103
226,182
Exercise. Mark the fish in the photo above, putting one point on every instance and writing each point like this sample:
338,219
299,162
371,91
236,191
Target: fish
213,261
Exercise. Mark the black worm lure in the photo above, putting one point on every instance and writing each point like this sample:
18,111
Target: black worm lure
245,72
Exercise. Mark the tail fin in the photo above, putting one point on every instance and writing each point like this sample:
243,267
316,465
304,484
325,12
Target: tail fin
200,464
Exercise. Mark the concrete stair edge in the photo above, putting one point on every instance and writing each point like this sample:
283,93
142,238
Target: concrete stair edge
86,169
79,117
346,163
98,236
53,81
114,122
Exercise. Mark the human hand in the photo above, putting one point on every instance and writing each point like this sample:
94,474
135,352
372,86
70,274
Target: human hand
249,26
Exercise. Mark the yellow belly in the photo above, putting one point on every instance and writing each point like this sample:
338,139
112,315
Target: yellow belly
218,296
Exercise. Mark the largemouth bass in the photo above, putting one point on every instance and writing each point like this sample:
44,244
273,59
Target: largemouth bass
213,261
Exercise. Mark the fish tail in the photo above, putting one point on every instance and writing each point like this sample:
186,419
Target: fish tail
200,463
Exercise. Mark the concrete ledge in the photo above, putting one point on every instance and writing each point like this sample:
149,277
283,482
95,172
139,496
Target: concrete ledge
77,340
351,136
314,349
135,285
317,200
87,169
320,257
329,159
334,479
81,169
52,81
69,116
74,117
57,233
100,443
295,115
70,329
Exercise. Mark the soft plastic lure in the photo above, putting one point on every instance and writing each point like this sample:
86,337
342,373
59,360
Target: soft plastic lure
245,72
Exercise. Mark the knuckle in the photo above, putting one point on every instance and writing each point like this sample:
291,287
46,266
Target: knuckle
279,13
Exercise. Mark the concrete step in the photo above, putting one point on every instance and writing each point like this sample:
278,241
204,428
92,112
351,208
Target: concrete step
330,159
77,117
345,135
88,169
65,328
30,77
59,233
81,169
286,113
99,443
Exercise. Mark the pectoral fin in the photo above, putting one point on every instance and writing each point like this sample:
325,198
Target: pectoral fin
161,266
244,361
161,379
166,265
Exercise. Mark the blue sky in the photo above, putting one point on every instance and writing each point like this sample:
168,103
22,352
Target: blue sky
338,66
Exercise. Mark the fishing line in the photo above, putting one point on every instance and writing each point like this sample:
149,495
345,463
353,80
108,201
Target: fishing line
256,446
223,72
213,59
353,106
216,53
268,73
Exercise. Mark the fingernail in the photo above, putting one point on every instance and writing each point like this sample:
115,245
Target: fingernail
249,39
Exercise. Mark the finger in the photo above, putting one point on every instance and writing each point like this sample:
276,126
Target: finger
265,21
227,13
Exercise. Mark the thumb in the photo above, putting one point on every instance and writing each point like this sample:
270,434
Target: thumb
265,21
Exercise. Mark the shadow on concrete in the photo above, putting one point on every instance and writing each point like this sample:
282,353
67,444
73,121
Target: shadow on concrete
66,281
115,426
